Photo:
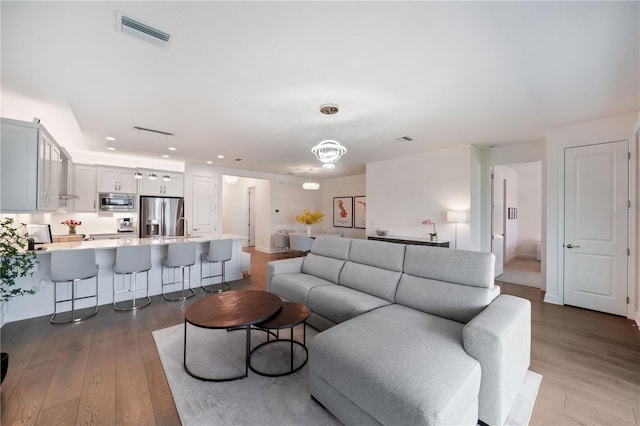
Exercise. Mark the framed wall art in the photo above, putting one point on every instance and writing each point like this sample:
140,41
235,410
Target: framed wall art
343,212
360,212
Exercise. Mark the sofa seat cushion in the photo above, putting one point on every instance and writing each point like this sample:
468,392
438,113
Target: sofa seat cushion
295,287
399,365
338,303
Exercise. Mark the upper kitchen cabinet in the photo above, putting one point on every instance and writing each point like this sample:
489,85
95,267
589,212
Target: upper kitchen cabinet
31,164
111,179
174,187
85,188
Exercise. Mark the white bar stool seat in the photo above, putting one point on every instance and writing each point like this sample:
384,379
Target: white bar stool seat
179,255
220,251
131,260
73,266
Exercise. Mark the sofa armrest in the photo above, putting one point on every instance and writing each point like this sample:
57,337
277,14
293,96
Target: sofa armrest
284,266
500,339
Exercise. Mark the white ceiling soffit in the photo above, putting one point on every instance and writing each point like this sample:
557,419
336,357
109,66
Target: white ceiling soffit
141,30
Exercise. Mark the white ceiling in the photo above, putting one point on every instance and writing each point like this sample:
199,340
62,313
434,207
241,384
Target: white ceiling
246,79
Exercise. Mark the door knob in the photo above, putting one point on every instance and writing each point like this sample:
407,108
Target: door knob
572,246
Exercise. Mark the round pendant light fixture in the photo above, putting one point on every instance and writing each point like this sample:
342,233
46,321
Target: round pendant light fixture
329,151
313,186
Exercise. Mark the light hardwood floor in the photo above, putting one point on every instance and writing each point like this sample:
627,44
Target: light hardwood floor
106,370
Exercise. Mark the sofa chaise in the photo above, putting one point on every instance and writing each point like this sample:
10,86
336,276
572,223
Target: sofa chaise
409,334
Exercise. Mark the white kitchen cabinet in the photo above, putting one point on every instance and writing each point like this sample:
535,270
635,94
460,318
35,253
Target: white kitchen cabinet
111,179
174,187
30,168
49,173
85,188
19,171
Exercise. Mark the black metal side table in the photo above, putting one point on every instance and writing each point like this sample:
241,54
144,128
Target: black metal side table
291,315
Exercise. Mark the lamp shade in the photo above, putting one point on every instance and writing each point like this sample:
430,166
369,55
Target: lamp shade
456,216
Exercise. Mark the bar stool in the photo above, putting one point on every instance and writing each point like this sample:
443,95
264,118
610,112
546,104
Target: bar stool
131,260
219,252
179,255
73,266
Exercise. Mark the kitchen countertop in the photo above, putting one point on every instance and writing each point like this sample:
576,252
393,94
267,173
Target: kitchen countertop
111,244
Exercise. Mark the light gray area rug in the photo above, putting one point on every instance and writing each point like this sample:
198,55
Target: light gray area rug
258,400
530,279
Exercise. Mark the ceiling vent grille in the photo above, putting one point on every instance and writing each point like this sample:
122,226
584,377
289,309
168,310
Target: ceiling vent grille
139,29
404,139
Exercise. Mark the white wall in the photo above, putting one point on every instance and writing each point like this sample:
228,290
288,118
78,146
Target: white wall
403,192
350,186
529,208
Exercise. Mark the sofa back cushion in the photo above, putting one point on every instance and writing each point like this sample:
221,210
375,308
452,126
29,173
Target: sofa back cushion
324,267
453,284
470,268
374,267
332,246
327,258
378,253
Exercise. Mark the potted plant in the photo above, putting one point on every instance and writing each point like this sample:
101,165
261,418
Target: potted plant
310,218
15,262
433,236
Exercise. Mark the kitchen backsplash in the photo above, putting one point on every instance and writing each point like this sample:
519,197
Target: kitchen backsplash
92,223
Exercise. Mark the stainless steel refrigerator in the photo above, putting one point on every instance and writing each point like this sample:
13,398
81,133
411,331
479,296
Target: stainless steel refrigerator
159,217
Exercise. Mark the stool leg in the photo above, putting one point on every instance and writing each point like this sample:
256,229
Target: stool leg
133,286
73,301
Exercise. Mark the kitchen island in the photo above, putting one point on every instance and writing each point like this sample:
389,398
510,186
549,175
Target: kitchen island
41,303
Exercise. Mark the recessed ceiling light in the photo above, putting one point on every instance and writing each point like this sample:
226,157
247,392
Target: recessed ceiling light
209,162
329,166
110,138
110,148
221,156
166,156
172,148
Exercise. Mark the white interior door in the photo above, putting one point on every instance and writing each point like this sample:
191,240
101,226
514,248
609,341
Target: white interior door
497,245
204,205
252,216
596,227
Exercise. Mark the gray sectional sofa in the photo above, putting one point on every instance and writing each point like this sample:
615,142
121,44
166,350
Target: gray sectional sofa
410,334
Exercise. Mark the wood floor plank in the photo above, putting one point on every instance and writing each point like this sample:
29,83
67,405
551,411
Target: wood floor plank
66,384
23,407
133,402
164,408
59,415
97,401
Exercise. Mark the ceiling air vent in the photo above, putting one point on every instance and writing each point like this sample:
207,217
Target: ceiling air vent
139,29
404,139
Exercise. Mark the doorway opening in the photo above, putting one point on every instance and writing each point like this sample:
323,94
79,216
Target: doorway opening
516,222
246,205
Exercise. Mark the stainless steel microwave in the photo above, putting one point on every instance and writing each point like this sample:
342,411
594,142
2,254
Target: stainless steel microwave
110,202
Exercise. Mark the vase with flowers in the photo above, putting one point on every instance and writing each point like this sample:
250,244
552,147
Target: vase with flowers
71,223
310,218
433,236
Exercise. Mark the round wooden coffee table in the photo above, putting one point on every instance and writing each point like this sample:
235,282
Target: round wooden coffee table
291,315
230,310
